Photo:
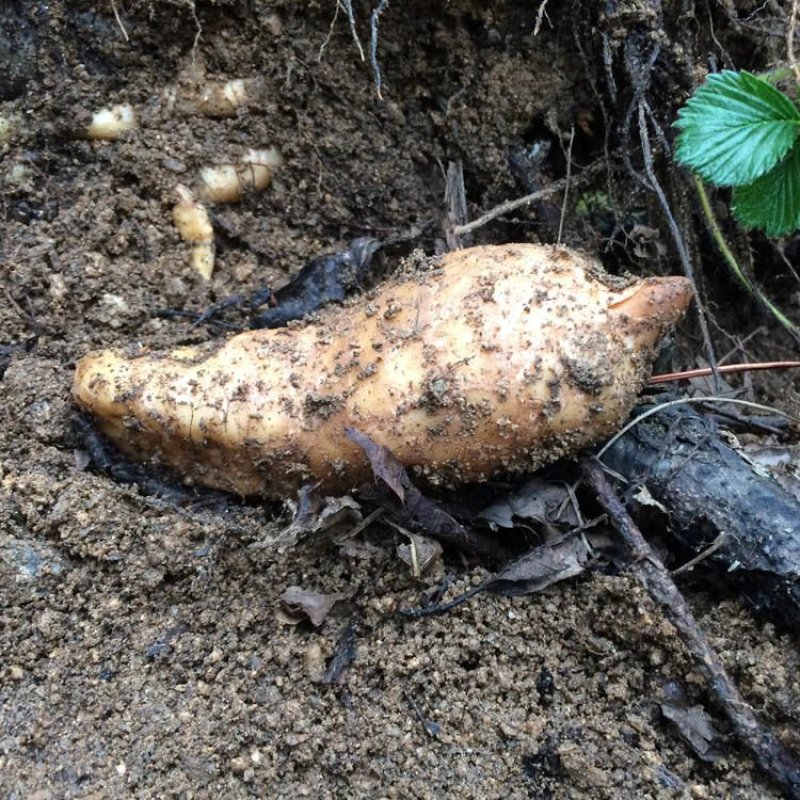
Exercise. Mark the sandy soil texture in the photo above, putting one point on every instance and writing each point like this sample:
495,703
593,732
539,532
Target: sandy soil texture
141,649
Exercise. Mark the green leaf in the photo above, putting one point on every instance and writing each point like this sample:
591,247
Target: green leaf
772,202
735,128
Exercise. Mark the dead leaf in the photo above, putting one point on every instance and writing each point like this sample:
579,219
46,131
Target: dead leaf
780,462
343,656
695,727
643,497
299,605
420,553
314,514
647,242
542,567
417,511
384,465
548,504
535,571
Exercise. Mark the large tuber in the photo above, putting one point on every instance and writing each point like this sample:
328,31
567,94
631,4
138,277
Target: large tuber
492,359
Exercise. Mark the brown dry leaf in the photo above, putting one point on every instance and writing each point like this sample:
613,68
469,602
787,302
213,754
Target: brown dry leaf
299,605
781,462
647,242
695,727
314,514
421,553
416,510
548,504
384,465
543,566
531,573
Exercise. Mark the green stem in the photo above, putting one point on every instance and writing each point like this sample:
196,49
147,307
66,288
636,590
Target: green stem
776,75
730,258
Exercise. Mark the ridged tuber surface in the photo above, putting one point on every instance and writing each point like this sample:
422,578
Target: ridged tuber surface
492,359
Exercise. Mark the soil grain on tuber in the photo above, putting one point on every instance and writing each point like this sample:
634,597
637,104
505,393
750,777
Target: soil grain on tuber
493,359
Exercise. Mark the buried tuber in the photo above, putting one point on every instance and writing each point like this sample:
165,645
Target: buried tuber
488,360
194,225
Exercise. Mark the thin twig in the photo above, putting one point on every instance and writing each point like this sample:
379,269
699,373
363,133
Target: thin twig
639,70
512,205
455,200
119,20
722,539
677,237
768,751
365,523
443,608
566,187
429,726
689,401
704,372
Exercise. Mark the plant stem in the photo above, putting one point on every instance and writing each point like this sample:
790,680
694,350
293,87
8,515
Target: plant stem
730,258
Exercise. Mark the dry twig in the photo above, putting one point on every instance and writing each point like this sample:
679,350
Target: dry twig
567,178
512,205
119,20
727,369
455,199
768,751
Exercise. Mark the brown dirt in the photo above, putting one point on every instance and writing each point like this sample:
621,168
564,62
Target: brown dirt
140,650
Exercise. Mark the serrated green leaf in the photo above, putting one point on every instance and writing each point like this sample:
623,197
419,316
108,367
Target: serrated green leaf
773,201
735,128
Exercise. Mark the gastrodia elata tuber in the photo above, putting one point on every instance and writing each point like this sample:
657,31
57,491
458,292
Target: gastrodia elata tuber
492,359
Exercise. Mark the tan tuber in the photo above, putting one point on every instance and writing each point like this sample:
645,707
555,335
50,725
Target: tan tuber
224,99
194,225
112,123
493,359
227,183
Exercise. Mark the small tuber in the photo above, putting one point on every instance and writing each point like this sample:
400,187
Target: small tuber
492,359
224,99
111,123
227,183
194,225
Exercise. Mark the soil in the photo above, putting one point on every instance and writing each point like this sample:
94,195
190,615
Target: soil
142,649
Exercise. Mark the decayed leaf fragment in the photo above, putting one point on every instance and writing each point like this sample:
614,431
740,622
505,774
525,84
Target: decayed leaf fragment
492,359
298,604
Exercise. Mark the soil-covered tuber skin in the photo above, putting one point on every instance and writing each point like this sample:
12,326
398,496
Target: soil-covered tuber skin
489,359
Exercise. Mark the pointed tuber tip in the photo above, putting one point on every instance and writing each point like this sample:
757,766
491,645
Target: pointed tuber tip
653,306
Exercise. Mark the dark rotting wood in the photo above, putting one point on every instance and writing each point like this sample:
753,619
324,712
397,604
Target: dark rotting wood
323,280
711,490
